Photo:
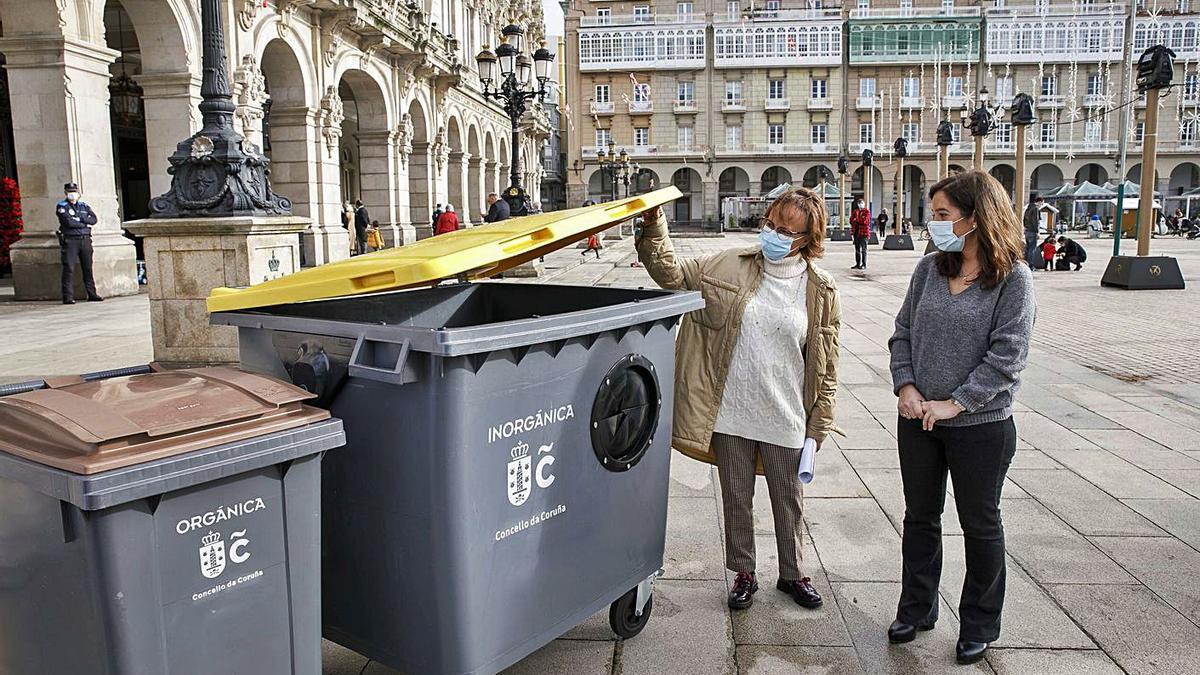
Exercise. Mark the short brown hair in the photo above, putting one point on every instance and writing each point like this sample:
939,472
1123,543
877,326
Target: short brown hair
812,207
1002,246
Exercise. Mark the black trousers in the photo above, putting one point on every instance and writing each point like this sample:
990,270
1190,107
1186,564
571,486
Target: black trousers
1074,260
977,458
77,250
860,250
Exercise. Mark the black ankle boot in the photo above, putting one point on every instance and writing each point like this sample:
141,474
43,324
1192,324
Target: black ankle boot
967,652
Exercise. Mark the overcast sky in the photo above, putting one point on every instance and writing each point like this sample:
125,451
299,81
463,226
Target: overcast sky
554,17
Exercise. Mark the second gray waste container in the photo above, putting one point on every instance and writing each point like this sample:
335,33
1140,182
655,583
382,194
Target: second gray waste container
161,523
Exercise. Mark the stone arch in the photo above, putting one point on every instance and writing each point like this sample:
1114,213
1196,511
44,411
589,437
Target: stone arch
600,186
289,135
1094,173
456,168
491,162
812,176
1007,175
915,205
420,172
366,159
773,177
1184,177
476,191
645,180
1045,177
856,187
1135,174
689,207
733,181
505,159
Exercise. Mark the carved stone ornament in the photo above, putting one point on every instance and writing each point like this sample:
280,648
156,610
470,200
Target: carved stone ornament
251,89
202,146
249,12
332,115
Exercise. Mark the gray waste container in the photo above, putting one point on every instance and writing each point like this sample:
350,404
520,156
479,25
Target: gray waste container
509,467
161,523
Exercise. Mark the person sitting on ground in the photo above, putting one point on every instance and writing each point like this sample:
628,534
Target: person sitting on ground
1048,251
1072,252
447,222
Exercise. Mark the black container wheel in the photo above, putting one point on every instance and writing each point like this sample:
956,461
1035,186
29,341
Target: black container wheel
622,616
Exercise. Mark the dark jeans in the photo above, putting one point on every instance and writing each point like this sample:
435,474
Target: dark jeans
1031,248
860,250
77,250
977,458
361,239
1074,260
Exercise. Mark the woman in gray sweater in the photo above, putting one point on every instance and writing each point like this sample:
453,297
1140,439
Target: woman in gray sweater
960,344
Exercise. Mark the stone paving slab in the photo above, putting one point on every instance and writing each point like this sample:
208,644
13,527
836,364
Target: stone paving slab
1114,475
854,539
693,540
1179,517
767,660
689,632
1165,565
1083,506
1137,629
1051,662
1050,551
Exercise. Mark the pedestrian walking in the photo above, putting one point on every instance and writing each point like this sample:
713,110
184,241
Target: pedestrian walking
757,373
1071,252
860,230
447,222
362,221
498,209
1048,251
75,220
1032,219
1095,227
881,222
960,344
593,244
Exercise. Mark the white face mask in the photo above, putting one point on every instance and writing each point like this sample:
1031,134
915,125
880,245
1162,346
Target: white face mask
72,197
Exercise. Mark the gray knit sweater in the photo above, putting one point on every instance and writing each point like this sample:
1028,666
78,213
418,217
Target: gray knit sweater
969,347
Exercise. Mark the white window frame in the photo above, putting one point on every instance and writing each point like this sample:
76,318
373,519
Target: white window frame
910,87
1095,84
956,132
819,134
819,89
641,93
775,134
1093,130
641,137
685,91
604,15
911,132
1139,132
603,93
866,87
684,10
1049,85
863,4
733,10
866,133
1048,134
641,14
954,85
948,7
1191,86
776,89
686,137
733,91
1004,133
733,137
603,136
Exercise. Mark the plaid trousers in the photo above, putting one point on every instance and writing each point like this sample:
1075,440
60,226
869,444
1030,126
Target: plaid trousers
735,465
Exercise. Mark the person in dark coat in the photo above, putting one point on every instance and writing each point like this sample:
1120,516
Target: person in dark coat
1032,219
437,213
362,222
881,222
75,220
498,209
1072,252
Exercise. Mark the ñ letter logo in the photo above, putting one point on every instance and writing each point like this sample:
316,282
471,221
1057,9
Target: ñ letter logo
212,555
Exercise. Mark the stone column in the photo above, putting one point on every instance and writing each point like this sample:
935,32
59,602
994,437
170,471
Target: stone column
59,93
712,203
171,115
456,176
477,196
492,176
376,163
402,231
576,195
421,174
293,173
326,240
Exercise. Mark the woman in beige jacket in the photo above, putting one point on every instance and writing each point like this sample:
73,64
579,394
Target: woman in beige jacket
756,373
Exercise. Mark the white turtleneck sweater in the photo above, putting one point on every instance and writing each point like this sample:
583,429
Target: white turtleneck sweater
764,391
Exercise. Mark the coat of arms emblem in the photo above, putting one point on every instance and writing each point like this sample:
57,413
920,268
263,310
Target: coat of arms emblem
212,555
520,476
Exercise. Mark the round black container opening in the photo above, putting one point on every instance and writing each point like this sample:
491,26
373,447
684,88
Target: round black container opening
625,413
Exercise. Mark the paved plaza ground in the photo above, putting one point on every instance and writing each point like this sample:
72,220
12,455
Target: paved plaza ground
1101,507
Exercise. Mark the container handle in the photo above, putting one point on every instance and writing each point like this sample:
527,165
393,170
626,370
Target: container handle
626,209
381,360
527,241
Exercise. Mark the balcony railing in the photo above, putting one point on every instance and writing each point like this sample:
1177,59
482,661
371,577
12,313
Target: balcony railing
1093,100
867,102
778,148
823,103
733,105
954,101
777,104
760,15
912,102
642,150
605,108
665,19
641,107
903,12
1191,99
685,106
1050,101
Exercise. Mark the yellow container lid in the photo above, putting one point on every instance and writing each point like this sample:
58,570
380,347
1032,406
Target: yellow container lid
473,253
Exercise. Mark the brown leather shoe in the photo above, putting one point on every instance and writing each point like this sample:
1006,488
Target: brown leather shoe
802,592
741,595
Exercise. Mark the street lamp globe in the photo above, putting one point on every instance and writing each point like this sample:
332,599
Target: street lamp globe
524,68
486,60
624,156
515,36
507,55
542,61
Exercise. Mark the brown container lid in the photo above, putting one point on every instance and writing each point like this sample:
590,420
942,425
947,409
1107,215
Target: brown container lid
90,427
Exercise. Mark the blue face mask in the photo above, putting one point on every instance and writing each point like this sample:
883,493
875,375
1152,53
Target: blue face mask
942,233
775,246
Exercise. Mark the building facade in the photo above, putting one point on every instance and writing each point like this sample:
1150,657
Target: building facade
377,100
730,99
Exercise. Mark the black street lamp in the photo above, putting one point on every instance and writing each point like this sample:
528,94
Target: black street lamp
513,89
215,172
618,168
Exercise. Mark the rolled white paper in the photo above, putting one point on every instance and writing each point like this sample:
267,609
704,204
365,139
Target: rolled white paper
808,457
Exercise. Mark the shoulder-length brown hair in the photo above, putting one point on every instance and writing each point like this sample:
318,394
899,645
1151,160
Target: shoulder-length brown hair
810,205
1001,244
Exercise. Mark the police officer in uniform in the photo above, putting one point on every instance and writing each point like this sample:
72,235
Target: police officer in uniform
75,220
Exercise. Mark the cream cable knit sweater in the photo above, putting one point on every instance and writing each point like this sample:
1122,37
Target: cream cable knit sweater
764,392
